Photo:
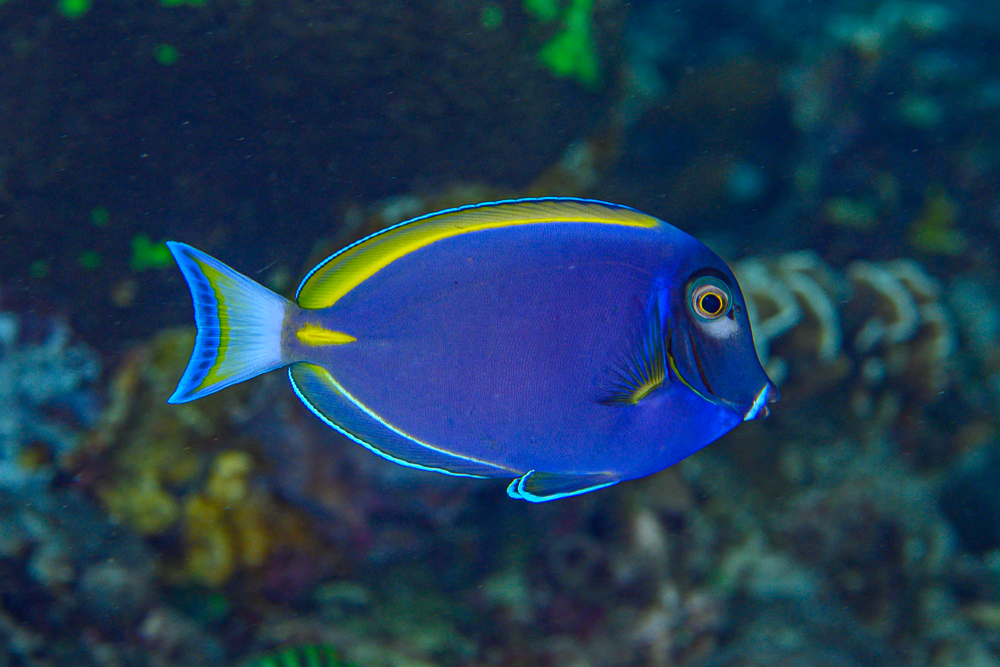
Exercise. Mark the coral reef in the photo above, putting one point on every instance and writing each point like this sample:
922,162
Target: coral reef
69,579
47,395
185,474
174,639
844,155
971,297
884,342
969,499
877,323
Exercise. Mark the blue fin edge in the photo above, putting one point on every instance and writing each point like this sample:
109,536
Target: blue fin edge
517,489
252,331
374,450
206,319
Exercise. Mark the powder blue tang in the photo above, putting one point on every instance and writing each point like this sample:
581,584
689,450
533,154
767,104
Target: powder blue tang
569,344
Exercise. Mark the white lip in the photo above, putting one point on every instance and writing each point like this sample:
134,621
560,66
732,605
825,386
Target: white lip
758,404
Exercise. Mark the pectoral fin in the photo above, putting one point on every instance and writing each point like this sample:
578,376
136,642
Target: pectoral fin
539,487
641,369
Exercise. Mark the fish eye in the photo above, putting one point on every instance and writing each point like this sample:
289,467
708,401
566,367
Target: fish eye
709,298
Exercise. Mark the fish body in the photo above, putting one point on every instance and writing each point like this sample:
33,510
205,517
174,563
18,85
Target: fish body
556,341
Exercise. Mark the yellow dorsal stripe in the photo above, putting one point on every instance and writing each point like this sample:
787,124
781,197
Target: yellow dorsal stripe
311,334
346,270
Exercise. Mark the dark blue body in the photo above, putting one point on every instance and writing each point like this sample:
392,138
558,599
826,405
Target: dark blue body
500,344
568,343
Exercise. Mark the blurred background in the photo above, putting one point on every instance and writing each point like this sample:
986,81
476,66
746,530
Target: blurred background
843,156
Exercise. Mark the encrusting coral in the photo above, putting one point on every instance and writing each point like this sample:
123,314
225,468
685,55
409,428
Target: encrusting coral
46,395
876,325
183,471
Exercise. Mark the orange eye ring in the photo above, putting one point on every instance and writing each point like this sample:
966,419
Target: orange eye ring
710,299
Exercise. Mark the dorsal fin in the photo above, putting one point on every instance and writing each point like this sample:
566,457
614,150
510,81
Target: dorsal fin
340,273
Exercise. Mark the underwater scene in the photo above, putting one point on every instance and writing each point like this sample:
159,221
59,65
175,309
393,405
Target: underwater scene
499,333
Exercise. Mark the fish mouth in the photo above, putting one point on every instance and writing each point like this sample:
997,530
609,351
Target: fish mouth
758,409
768,394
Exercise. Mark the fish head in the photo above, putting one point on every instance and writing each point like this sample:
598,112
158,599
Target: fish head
709,342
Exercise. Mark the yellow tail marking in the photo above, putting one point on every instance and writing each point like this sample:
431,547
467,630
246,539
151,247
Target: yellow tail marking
354,265
219,283
312,334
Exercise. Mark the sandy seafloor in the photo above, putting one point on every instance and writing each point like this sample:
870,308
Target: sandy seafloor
844,157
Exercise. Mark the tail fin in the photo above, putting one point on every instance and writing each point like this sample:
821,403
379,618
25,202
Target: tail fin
239,326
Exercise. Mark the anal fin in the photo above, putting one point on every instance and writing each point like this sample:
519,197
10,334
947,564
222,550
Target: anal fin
329,401
540,487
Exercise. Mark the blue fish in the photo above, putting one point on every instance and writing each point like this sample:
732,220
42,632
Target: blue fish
567,343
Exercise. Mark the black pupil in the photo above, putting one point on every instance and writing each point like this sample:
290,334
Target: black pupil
711,304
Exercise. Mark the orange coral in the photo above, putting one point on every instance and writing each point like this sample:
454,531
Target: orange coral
185,470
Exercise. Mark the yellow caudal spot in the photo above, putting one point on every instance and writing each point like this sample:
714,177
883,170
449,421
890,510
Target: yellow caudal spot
312,334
